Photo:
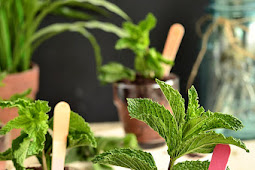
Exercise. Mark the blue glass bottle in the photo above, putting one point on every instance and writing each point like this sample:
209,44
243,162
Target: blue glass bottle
227,72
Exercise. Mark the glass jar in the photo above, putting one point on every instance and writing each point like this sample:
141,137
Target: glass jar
227,72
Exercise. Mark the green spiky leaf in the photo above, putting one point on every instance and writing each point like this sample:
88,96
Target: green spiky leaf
175,101
80,133
157,117
194,110
193,165
114,72
128,158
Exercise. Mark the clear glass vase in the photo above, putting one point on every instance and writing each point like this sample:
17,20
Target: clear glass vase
227,73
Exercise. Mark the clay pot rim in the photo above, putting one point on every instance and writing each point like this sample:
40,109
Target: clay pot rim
34,67
171,79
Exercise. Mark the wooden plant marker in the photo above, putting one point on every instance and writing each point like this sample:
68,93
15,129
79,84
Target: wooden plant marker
60,132
172,44
220,157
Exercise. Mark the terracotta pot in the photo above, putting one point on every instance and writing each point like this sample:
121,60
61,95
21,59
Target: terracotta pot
18,83
143,88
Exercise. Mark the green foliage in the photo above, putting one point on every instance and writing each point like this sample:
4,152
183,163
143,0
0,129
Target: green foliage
80,133
194,165
34,138
2,76
22,95
184,133
114,72
86,153
20,20
148,61
128,158
33,121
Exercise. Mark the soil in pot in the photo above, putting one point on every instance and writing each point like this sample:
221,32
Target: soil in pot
141,88
18,83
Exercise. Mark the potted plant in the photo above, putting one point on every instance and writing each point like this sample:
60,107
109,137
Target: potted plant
138,82
184,133
36,135
20,36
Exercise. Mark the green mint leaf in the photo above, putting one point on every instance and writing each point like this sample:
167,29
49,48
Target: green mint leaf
194,110
204,141
130,141
209,121
137,38
80,133
157,117
175,101
21,95
149,23
6,155
101,167
20,148
128,158
193,165
114,72
86,153
19,103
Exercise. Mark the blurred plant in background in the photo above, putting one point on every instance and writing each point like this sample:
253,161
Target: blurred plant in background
20,20
148,61
87,153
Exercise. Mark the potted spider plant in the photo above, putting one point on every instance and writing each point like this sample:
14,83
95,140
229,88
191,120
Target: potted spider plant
138,82
20,36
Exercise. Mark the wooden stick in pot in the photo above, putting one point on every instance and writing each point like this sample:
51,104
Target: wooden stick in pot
172,44
60,131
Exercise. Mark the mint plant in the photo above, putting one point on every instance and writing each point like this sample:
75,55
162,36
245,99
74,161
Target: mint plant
184,133
148,61
87,153
35,138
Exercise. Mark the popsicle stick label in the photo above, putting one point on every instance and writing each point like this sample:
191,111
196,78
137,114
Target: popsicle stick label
60,131
220,157
172,44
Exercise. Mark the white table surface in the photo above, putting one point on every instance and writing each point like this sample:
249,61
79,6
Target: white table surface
239,159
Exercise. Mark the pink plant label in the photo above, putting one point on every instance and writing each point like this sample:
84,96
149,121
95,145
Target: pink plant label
220,157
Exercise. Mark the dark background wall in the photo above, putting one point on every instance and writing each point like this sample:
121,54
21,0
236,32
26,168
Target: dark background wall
67,63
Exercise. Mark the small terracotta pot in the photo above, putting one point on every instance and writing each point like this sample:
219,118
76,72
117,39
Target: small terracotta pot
18,83
142,88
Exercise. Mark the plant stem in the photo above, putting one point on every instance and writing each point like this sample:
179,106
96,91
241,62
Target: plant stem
44,164
171,164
